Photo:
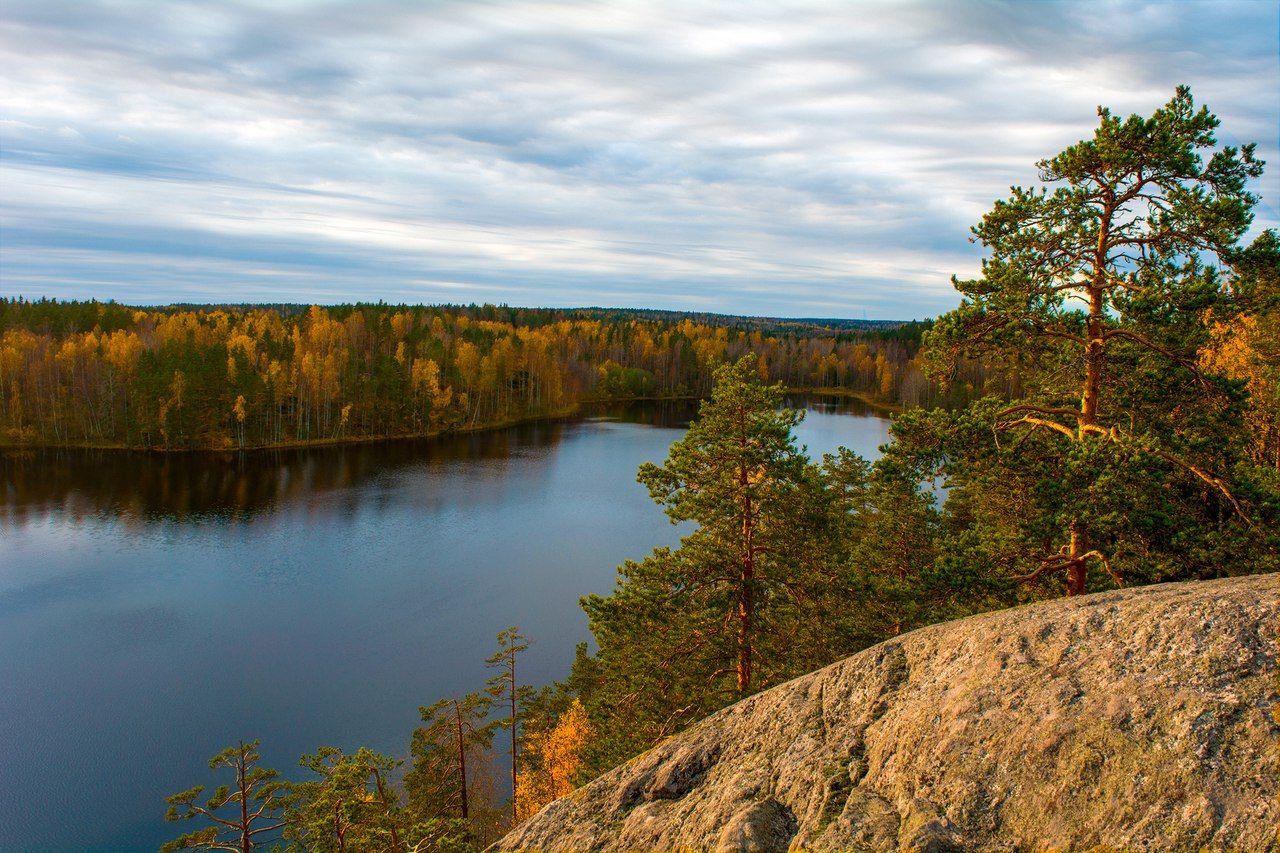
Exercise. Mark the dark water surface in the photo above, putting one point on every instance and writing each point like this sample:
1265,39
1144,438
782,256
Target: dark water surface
155,609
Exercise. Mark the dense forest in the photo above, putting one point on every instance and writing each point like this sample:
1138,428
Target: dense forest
101,374
1138,444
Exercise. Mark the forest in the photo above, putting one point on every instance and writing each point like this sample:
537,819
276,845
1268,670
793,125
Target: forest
239,377
1125,431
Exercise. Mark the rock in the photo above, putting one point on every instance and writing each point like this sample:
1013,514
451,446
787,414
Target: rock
1141,719
766,826
925,829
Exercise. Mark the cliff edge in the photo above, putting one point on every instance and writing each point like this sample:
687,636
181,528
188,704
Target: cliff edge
1140,719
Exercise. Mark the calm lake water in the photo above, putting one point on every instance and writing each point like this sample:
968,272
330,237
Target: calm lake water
155,609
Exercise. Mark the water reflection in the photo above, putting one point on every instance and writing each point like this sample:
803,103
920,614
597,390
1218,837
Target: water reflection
154,608
192,487
198,486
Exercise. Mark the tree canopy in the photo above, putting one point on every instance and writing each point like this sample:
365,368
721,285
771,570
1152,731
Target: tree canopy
242,815
1120,455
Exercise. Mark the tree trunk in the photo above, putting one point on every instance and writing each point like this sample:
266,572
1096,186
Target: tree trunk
386,805
513,732
246,844
746,596
462,758
1093,357
1093,361
1076,569
745,604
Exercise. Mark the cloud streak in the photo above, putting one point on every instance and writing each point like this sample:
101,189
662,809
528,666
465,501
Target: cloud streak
805,158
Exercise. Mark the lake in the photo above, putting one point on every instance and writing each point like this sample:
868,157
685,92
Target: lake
155,609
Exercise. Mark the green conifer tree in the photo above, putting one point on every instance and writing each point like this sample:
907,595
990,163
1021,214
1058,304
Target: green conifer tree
1118,458
243,815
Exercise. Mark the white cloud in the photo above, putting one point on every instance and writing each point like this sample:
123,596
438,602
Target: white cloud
776,159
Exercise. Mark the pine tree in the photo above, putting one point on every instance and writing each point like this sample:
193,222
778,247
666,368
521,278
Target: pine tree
731,473
350,805
255,801
735,608
1119,455
503,687
455,733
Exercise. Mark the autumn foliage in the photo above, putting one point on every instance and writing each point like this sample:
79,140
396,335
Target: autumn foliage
552,758
1247,349
228,378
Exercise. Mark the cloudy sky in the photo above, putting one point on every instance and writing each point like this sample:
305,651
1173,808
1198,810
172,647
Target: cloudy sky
781,158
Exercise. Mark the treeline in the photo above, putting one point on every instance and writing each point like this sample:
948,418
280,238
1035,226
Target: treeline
89,373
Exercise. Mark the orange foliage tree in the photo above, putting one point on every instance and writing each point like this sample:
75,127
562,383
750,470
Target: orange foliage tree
551,760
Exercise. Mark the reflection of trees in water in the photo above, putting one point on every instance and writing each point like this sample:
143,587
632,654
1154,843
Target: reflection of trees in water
678,413
660,413
829,405
135,487
81,484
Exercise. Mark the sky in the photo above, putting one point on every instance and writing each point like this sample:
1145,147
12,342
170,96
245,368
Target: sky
795,159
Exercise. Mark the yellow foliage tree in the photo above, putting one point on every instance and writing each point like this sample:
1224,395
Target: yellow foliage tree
1249,349
552,758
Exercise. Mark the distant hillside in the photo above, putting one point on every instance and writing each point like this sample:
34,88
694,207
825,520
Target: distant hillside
772,325
807,326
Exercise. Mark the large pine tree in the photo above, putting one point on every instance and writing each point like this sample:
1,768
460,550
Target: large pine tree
738,606
1120,456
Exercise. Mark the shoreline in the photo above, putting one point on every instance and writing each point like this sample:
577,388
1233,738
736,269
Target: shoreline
564,413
